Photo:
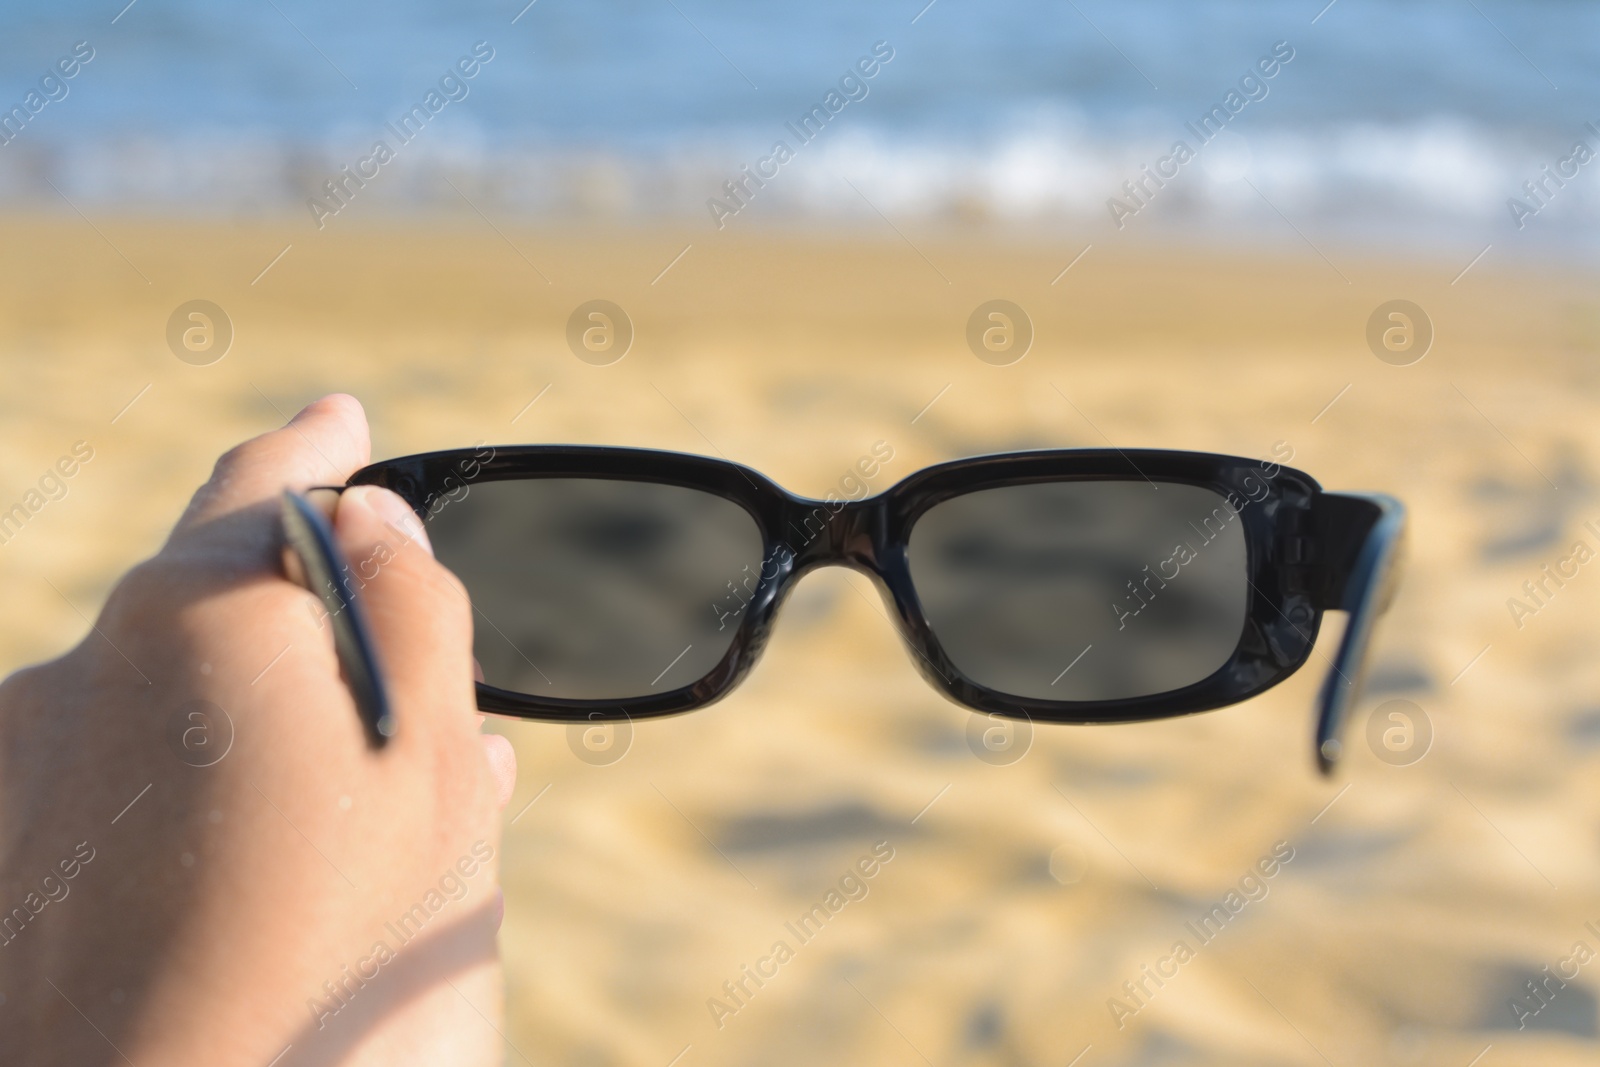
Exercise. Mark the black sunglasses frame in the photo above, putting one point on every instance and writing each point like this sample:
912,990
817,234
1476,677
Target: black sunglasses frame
1308,551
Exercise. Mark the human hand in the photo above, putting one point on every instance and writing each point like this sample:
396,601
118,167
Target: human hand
304,895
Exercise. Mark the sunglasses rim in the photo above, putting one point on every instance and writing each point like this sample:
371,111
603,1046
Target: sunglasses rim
1290,586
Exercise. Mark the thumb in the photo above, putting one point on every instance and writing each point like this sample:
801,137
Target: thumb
420,614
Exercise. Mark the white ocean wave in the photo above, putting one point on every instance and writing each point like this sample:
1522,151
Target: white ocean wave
1404,178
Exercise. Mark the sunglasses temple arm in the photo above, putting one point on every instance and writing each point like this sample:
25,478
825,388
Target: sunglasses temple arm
1363,535
312,559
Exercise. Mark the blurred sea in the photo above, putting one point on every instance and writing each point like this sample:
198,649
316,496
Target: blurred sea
1394,124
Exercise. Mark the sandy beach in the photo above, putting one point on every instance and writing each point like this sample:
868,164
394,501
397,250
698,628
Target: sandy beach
1023,907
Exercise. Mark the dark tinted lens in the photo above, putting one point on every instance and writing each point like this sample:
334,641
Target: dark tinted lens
598,589
1083,590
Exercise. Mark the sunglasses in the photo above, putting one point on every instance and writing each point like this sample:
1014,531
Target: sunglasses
1061,586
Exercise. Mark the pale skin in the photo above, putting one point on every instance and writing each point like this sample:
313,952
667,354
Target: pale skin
233,911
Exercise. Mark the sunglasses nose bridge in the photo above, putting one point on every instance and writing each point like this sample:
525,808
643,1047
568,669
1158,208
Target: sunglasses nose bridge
834,531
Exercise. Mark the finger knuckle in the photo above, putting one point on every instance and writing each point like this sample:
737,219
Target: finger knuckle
144,586
241,457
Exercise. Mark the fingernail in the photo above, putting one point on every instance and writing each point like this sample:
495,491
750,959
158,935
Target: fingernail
395,513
